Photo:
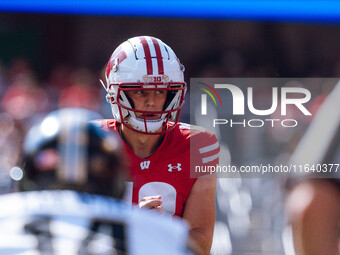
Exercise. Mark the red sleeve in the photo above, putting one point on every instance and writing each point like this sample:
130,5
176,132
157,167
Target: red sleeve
204,151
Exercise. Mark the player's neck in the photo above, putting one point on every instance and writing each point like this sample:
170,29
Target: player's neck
142,145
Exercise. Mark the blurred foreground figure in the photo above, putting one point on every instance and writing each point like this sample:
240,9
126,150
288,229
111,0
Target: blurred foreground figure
73,178
313,204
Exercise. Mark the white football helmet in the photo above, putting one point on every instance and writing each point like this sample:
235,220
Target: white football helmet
139,64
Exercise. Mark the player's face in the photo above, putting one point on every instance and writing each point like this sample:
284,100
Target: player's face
151,100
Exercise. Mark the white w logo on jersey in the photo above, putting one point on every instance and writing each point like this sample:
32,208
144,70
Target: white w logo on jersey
178,167
145,165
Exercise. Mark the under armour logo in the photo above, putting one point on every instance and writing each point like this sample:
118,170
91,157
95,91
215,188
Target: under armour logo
144,165
178,167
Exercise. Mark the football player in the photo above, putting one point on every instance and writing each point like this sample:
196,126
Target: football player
74,177
146,89
313,203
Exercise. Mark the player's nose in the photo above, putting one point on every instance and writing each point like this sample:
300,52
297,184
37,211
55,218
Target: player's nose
151,98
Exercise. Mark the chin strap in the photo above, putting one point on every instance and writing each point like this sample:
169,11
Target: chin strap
138,124
106,89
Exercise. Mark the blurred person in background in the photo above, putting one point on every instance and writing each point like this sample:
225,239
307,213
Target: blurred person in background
146,90
81,92
313,202
24,99
10,148
73,177
59,79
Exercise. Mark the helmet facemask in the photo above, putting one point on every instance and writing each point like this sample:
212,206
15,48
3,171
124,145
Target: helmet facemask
123,107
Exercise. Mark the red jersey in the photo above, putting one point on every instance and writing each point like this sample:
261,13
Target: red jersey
167,171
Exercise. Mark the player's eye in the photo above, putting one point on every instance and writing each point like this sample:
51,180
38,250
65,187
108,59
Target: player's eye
159,92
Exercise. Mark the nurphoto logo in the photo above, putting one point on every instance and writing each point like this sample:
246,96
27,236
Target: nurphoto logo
295,96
